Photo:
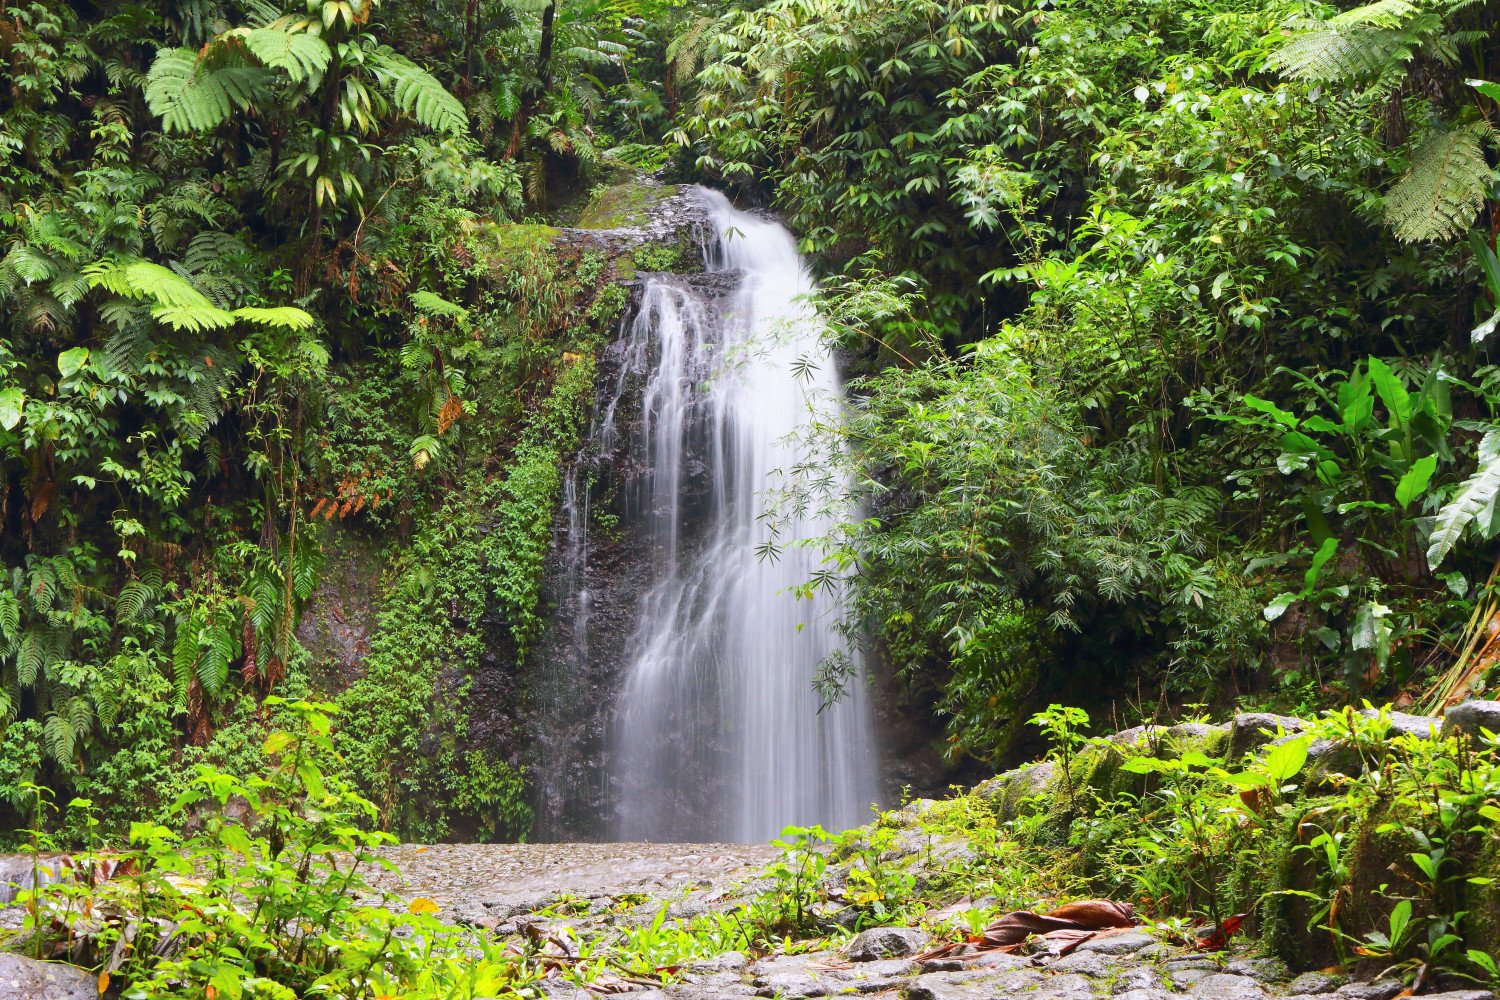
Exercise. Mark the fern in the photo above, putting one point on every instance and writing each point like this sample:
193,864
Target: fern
193,98
1477,493
435,305
185,650
10,620
284,317
60,738
302,56
180,305
1326,54
132,600
30,659
419,94
1444,187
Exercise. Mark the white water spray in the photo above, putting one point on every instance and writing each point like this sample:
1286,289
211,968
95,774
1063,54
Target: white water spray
719,733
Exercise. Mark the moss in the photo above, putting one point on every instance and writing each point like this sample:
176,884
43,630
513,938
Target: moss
504,245
624,205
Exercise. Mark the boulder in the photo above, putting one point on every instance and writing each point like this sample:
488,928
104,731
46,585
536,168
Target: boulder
1420,726
885,942
27,979
1312,983
1253,730
1470,717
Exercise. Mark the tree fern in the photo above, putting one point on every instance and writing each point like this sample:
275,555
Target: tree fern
302,56
185,651
418,93
1444,187
1477,493
193,98
435,305
60,738
177,303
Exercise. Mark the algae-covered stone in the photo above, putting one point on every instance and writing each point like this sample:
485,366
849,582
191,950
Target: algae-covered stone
626,204
1006,792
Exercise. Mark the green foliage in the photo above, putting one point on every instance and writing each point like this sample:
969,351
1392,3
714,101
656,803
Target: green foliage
271,896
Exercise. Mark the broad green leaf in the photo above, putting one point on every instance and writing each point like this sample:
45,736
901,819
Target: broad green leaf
1488,88
1284,760
69,362
1414,483
1319,560
1271,409
12,404
1278,606
1393,392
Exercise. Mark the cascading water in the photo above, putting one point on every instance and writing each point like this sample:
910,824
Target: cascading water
718,733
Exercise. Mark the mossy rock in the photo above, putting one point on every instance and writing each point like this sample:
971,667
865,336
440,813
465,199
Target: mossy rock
507,245
626,204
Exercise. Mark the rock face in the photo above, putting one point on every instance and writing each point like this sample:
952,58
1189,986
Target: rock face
28,979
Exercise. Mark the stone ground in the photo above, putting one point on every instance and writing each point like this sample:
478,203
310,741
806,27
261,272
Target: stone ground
502,888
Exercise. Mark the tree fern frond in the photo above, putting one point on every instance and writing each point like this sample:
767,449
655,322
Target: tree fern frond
1380,14
283,317
60,739
1323,53
191,98
300,55
177,303
1444,187
435,305
132,601
419,94
184,655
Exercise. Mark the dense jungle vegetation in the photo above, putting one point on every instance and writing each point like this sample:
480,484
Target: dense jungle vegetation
1170,323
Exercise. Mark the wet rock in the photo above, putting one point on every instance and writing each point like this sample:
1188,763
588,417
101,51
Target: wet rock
1065,987
1124,943
1462,995
1140,978
971,985
1145,994
1223,986
1420,726
821,973
1370,991
1264,969
1000,960
1317,983
1471,717
1087,963
730,961
1253,730
885,942
28,979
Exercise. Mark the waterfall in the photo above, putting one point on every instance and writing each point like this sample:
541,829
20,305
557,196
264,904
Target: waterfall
718,733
